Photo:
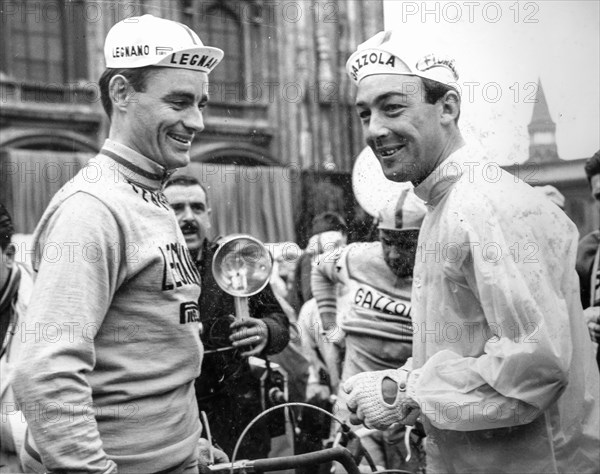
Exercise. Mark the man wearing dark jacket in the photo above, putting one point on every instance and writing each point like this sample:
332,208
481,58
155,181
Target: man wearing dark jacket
588,258
226,390
16,282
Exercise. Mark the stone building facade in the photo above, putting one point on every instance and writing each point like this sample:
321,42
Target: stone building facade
280,107
544,166
280,133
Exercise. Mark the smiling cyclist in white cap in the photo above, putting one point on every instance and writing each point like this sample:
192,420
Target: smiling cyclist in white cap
117,365
502,374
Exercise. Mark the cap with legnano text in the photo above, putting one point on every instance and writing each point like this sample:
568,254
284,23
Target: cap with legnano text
151,41
386,53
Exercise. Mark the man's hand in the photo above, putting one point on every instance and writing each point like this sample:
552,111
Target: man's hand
366,399
328,319
379,399
249,332
592,316
330,331
209,455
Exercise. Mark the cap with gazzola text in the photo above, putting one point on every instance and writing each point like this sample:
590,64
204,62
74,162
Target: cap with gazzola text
386,53
151,41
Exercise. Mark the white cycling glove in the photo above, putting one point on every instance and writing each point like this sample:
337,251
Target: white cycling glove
366,398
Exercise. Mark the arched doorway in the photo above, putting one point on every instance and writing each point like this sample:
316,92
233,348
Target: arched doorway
34,164
249,191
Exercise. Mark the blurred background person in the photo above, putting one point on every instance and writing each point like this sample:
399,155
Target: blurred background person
292,358
16,283
588,261
329,232
285,258
324,352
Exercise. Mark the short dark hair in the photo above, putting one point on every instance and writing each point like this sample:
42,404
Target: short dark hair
434,91
592,166
137,77
186,180
328,221
7,229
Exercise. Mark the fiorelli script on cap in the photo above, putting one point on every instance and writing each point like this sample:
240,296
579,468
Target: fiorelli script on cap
432,60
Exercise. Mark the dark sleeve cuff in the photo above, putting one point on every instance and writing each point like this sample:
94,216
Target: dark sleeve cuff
279,333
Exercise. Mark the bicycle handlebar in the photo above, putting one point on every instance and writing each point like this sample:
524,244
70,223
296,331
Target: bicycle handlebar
339,454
